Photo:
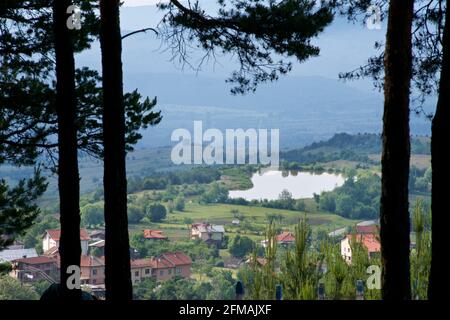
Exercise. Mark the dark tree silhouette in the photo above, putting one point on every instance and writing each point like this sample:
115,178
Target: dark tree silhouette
252,31
18,117
27,102
438,285
117,254
17,207
430,56
394,211
68,177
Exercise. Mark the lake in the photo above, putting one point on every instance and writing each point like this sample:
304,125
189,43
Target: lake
269,184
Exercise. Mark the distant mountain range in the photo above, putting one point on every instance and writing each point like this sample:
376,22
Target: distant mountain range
310,104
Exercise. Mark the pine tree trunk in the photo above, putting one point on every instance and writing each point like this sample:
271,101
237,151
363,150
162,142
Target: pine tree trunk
68,177
117,253
439,283
394,215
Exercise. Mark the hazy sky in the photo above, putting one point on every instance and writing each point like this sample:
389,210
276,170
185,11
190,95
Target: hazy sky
134,3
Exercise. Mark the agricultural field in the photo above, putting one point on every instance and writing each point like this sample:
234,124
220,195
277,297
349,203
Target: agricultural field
254,218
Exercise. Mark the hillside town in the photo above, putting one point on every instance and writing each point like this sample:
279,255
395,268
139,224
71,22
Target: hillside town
28,266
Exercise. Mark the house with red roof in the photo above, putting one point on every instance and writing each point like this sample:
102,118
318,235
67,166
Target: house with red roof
52,236
162,267
209,233
285,238
34,269
154,235
365,229
368,240
92,270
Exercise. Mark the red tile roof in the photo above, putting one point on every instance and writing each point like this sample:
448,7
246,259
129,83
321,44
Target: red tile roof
90,261
367,229
177,258
36,260
142,263
285,237
165,260
55,234
370,241
153,234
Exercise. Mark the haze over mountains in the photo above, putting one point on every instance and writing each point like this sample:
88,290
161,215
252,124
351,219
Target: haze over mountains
309,104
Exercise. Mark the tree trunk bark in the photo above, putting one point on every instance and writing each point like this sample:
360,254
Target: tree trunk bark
394,213
68,177
117,253
439,283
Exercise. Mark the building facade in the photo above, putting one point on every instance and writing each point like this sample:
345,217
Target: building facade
162,268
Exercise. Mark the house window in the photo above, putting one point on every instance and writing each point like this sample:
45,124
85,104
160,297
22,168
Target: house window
161,272
178,270
147,271
94,272
136,274
170,271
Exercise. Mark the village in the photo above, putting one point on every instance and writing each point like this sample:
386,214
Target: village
28,267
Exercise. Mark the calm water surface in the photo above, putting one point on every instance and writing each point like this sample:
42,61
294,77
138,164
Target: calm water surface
269,184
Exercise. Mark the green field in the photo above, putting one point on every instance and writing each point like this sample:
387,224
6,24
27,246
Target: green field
176,229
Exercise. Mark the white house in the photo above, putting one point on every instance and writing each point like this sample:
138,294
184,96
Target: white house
370,241
208,232
51,239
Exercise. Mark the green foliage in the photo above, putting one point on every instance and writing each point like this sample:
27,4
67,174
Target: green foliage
160,181
33,236
358,198
328,202
222,286
40,286
182,289
180,204
344,146
135,213
420,180
187,220
156,212
92,215
5,268
144,290
260,281
300,205
340,279
421,254
241,246
11,289
215,194
300,269
17,207
197,250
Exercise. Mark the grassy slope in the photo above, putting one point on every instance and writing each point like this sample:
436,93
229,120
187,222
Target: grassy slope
175,228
